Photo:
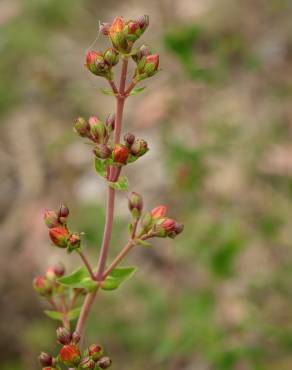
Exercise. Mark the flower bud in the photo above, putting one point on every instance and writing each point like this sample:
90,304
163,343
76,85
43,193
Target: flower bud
76,337
147,67
110,122
143,21
129,139
143,51
74,242
97,65
95,351
117,35
177,229
97,129
59,236
50,273
139,147
102,151
111,57
104,28
59,269
132,31
64,335
49,368
63,211
120,154
81,126
135,204
158,212
168,227
51,218
104,363
146,222
70,355
42,285
87,363
45,359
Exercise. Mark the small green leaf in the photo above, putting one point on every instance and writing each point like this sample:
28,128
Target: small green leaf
79,279
130,228
121,184
74,314
55,315
137,90
100,167
143,243
107,91
117,277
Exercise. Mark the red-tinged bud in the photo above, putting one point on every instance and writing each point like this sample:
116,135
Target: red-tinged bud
158,212
59,236
118,37
95,351
135,204
143,51
132,31
143,21
120,154
45,359
129,139
49,368
102,151
59,269
139,147
87,363
42,285
63,211
110,122
81,126
147,67
167,227
74,242
177,229
51,219
50,273
64,335
97,65
76,337
97,129
168,224
104,362
111,57
70,355
104,28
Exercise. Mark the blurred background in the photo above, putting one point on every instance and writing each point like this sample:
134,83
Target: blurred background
218,119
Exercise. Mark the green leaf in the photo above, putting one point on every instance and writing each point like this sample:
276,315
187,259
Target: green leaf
121,184
117,277
143,243
55,315
100,167
137,90
74,314
107,91
79,279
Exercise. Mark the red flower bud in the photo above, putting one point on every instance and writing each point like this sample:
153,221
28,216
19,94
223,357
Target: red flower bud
104,362
168,227
64,335
42,285
135,204
143,51
81,126
139,147
97,129
168,224
59,236
120,154
95,351
118,37
63,211
147,67
51,218
102,151
87,363
143,21
45,359
129,139
70,355
97,65
74,242
104,28
158,212
59,269
117,25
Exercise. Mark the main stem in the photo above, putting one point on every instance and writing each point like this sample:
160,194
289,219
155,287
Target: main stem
89,299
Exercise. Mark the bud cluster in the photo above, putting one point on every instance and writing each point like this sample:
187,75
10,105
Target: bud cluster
70,354
58,231
147,63
100,64
47,285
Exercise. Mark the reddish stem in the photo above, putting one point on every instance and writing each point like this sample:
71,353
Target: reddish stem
130,87
86,263
113,86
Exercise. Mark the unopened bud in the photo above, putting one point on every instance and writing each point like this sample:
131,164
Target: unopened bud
87,363
139,147
120,154
81,126
111,57
97,65
104,363
45,359
95,351
50,273
51,218
102,151
168,227
49,368
110,122
143,21
70,355
129,139
143,51
117,35
74,242
59,269
97,129
147,67
64,335
158,212
63,211
59,236
42,285
135,204
104,28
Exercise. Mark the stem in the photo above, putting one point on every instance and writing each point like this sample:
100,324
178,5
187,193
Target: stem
87,264
113,86
89,299
130,87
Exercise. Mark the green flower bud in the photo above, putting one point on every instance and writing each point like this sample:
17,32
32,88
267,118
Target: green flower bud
81,126
111,57
97,129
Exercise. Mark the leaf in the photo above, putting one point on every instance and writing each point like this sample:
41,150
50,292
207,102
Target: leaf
121,184
107,91
137,90
117,277
100,167
143,243
55,315
79,279
74,314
